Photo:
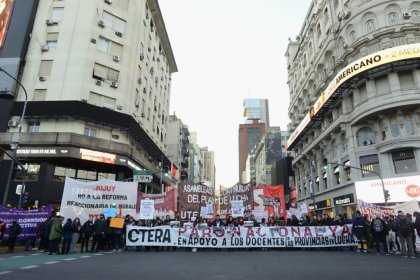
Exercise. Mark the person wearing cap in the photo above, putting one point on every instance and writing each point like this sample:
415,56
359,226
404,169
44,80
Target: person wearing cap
379,232
360,230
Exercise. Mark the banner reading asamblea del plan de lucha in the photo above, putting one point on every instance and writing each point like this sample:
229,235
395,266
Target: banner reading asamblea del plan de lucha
89,200
241,237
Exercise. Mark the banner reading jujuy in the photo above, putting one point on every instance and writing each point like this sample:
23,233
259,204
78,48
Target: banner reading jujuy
89,200
192,197
238,192
241,237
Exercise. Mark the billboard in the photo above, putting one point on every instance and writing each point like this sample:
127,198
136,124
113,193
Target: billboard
5,12
401,189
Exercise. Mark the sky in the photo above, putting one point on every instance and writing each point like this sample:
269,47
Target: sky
226,51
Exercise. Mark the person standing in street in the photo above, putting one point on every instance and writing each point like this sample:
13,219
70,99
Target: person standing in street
404,228
55,234
379,232
67,234
360,230
86,231
2,228
76,226
14,231
99,230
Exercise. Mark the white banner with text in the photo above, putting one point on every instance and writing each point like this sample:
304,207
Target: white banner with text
241,237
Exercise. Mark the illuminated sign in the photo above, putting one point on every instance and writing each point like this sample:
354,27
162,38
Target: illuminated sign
36,151
133,165
351,70
97,156
5,11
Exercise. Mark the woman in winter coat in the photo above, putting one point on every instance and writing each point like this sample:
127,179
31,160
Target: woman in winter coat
67,234
76,226
55,235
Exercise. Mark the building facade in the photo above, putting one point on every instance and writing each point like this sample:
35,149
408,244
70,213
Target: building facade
195,160
208,172
249,135
257,109
178,145
98,78
354,80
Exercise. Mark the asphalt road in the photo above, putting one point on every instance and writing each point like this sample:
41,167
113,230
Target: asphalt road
210,264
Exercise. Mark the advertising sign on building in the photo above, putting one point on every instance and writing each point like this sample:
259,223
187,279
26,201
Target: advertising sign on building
401,189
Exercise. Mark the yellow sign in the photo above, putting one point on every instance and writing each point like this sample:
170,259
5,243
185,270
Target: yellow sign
116,223
353,69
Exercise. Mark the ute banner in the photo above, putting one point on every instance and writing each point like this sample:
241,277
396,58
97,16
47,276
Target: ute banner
241,237
192,197
89,200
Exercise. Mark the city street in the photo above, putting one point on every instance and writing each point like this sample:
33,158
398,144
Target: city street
211,264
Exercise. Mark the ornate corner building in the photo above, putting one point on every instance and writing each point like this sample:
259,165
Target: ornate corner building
354,80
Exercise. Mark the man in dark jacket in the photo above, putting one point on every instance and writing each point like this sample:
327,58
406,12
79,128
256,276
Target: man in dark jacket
404,228
379,231
99,230
67,234
14,231
360,230
86,232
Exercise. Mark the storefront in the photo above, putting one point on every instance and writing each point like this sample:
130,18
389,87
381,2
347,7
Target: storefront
323,207
345,204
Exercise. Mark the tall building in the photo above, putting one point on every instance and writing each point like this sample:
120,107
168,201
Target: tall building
178,143
285,134
257,109
98,78
208,172
354,79
195,160
249,135
268,151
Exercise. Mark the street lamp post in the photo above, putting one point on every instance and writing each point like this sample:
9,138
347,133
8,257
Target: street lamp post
15,141
362,169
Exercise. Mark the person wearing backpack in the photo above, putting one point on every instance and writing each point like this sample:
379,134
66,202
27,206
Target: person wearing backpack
404,228
379,232
14,231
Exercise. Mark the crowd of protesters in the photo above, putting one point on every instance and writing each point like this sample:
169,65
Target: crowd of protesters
395,234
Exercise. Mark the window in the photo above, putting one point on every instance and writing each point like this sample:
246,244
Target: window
370,26
33,126
319,31
101,72
392,18
102,101
39,95
113,22
363,93
406,79
107,46
365,137
91,132
369,164
52,39
395,130
404,161
382,85
409,126
415,15
45,68
347,169
57,14
32,172
60,174
326,16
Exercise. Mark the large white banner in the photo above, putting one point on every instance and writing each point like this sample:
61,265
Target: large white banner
241,237
89,200
401,189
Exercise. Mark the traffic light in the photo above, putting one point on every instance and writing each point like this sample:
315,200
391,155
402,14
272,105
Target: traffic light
325,163
387,196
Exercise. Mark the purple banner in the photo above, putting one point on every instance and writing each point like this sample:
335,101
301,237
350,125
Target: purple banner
29,220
